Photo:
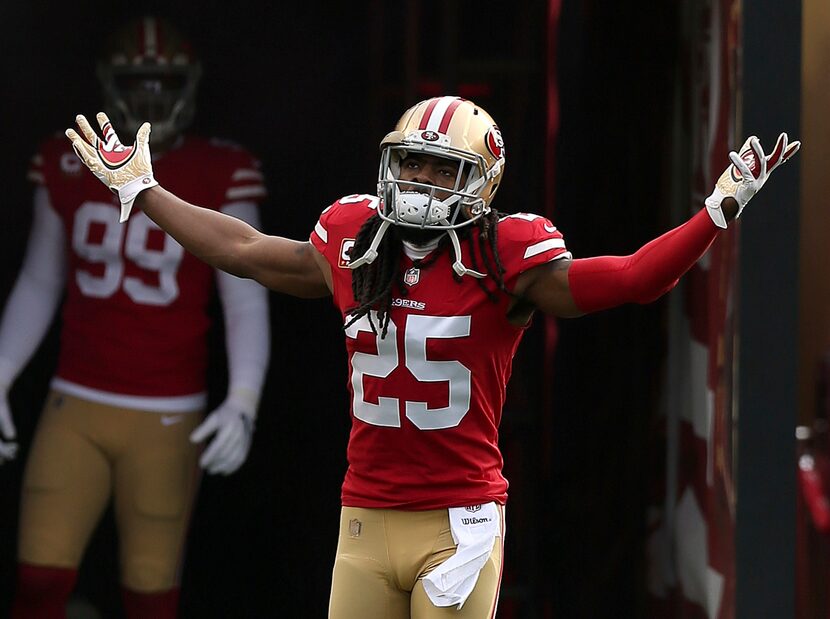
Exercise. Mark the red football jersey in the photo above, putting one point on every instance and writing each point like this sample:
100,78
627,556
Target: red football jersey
134,316
426,401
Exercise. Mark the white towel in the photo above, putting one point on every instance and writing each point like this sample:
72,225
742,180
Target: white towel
474,530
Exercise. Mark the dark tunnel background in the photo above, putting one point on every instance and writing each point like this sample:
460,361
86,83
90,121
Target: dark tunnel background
311,88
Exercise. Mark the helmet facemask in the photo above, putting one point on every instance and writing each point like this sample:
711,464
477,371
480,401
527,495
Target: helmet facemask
430,209
163,95
423,206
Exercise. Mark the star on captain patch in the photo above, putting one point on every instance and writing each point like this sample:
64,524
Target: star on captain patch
354,527
411,277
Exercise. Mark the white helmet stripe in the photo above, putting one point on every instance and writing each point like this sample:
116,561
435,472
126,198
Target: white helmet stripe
150,36
438,112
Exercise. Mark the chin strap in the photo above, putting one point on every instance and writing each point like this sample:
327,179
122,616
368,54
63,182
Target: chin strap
458,266
372,252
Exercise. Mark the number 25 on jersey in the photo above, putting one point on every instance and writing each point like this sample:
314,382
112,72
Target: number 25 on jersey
418,330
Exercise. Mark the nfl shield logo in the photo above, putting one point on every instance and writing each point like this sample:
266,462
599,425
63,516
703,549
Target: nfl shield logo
412,276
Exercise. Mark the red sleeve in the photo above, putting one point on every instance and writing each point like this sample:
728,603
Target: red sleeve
334,235
526,240
320,235
336,230
608,281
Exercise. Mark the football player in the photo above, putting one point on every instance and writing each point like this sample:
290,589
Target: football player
435,288
124,418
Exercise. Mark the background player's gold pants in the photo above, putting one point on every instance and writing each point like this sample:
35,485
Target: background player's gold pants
82,454
381,560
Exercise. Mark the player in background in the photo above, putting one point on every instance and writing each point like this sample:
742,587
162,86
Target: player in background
124,419
436,289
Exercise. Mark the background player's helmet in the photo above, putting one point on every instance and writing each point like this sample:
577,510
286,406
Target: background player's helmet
149,73
452,128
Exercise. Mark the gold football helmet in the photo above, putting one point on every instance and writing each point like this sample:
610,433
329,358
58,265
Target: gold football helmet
148,72
451,128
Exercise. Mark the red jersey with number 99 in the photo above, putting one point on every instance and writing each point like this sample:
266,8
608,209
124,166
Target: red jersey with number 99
135,315
426,400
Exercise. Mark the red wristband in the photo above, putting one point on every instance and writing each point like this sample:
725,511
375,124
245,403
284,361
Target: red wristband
607,281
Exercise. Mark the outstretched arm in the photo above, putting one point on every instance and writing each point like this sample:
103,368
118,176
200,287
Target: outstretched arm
573,288
220,240
233,246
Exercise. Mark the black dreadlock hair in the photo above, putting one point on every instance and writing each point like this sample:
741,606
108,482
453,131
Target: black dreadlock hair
374,283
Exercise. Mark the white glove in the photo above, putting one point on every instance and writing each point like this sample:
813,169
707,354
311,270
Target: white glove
233,423
749,171
8,444
126,170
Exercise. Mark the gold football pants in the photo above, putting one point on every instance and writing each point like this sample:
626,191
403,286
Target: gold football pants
85,453
382,554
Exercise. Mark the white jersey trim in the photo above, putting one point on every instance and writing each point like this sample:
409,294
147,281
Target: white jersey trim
321,232
167,404
247,174
246,191
544,246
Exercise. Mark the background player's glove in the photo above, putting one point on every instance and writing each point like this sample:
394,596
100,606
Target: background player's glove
749,171
233,425
126,170
8,444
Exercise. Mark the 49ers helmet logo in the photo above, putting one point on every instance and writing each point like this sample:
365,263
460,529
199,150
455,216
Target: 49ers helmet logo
429,136
495,143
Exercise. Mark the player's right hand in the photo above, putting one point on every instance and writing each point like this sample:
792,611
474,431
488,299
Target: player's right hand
231,427
8,434
126,170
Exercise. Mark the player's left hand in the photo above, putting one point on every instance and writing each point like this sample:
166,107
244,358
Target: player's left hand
126,170
748,172
232,425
